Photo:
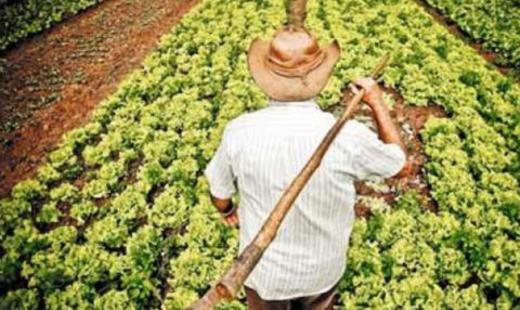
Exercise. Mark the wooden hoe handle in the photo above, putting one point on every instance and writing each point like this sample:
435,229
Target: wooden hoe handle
230,284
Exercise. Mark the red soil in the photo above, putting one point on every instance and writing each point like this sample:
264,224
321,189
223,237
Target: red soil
54,80
410,120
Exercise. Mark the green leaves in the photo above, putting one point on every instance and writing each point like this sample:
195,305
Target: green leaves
407,257
132,225
495,24
20,19
114,300
24,299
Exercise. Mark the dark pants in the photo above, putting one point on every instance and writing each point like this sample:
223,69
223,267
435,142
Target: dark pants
323,301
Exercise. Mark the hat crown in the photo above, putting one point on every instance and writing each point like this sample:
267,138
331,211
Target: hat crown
292,66
294,52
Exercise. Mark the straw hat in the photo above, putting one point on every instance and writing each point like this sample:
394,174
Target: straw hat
292,67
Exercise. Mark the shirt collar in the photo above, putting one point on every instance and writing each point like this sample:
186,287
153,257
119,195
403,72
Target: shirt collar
304,103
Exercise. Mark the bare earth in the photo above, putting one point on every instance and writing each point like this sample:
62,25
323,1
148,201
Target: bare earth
51,82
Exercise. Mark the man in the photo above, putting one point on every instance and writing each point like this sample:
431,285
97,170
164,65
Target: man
263,151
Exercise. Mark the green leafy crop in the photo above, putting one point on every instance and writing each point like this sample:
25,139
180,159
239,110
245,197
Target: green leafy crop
19,19
495,24
119,215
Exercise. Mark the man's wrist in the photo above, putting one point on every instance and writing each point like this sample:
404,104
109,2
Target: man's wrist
230,209
378,104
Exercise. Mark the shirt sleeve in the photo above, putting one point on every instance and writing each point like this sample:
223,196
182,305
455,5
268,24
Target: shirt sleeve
372,158
219,172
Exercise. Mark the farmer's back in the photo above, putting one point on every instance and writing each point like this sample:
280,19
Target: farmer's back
265,151
262,152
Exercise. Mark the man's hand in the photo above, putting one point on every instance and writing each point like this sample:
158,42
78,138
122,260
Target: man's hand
232,219
226,208
388,132
373,93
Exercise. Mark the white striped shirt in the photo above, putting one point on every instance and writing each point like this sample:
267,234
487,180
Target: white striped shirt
262,152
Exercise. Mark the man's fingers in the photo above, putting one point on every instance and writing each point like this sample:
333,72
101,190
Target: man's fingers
353,89
232,220
365,82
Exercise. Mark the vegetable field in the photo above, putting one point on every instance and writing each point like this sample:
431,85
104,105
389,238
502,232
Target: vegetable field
20,19
495,24
119,216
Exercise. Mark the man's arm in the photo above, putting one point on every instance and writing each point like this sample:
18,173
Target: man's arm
387,130
226,208
220,178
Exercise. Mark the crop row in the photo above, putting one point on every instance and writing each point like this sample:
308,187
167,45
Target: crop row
466,256
103,223
19,19
119,215
495,24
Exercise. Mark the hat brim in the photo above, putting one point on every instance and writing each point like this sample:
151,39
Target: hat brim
284,88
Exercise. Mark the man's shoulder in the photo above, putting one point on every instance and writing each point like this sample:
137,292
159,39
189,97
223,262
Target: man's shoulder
244,120
354,125
352,133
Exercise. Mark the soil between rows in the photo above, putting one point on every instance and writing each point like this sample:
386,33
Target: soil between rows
410,121
52,81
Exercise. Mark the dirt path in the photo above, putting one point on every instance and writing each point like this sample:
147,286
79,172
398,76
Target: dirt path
50,82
